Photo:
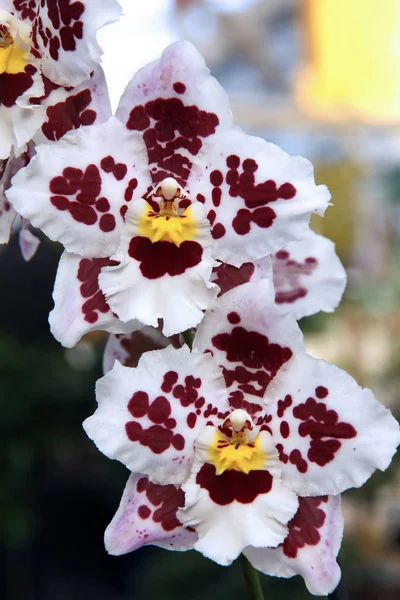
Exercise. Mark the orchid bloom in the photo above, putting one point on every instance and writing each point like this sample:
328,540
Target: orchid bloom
44,44
148,201
247,439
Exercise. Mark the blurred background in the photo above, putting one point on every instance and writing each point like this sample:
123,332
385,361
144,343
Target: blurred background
321,78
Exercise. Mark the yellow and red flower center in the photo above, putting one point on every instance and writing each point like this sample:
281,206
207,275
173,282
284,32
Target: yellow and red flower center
168,225
13,57
238,452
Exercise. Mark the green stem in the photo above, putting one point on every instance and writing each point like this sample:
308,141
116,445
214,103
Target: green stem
253,583
188,336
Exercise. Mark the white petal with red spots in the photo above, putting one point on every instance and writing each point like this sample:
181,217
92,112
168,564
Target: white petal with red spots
308,276
176,105
79,305
228,277
68,109
7,217
7,213
8,168
148,417
234,510
79,186
258,198
250,341
310,549
128,348
161,280
147,515
64,35
331,433
20,81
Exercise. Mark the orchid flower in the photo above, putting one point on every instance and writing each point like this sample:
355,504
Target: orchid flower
44,44
260,438
148,201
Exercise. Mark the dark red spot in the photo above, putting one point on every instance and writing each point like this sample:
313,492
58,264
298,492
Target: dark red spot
168,499
191,420
283,405
60,202
178,442
138,119
142,485
321,392
218,231
233,161
156,437
169,380
285,429
254,351
289,276
297,459
263,217
88,186
256,196
179,87
102,205
227,276
183,204
13,85
82,214
287,191
144,512
159,410
233,485
161,258
107,164
211,216
139,404
107,223
303,528
68,115
282,456
168,126
250,165
119,172
318,422
216,178
88,274
132,185
216,195
233,318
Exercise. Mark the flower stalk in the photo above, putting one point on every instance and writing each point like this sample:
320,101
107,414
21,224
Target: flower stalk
252,579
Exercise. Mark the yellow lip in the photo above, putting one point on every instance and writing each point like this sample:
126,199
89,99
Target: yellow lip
13,57
236,454
167,225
